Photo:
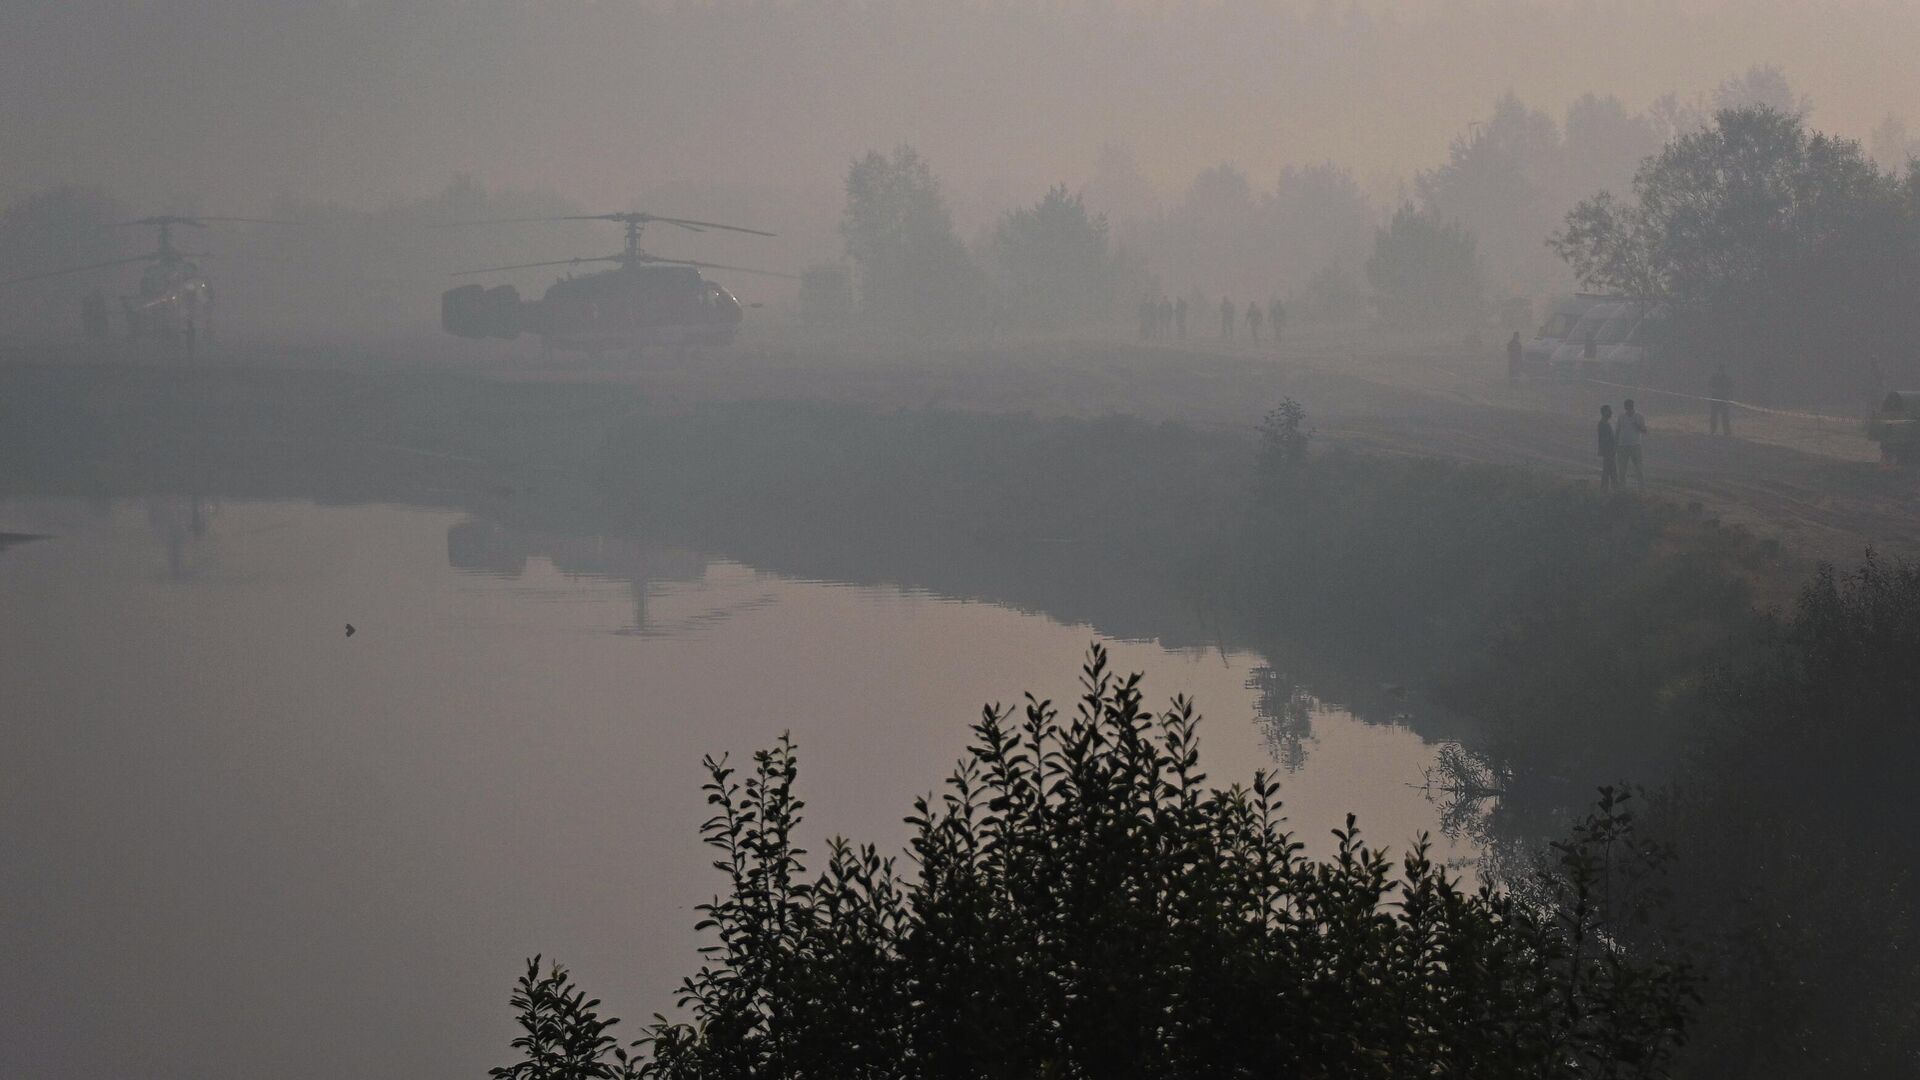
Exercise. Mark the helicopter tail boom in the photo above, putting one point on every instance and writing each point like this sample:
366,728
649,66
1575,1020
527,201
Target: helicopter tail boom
475,311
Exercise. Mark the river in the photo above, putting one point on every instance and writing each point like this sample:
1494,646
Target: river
242,841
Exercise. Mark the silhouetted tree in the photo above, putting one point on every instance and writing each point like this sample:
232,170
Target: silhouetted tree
1320,219
1502,182
1604,144
1331,294
914,270
1054,260
1781,252
1425,270
1762,86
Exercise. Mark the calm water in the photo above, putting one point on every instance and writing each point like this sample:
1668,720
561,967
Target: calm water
239,842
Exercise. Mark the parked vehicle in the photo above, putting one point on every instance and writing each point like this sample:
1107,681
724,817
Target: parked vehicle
1625,335
1896,427
1536,356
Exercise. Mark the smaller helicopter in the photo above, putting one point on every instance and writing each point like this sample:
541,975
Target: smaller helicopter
175,299
644,301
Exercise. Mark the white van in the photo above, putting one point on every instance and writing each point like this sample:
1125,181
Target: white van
1624,334
1536,356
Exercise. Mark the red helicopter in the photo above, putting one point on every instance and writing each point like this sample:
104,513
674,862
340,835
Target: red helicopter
174,301
644,301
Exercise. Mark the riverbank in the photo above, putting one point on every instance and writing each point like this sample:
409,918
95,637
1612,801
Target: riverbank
1565,619
1586,637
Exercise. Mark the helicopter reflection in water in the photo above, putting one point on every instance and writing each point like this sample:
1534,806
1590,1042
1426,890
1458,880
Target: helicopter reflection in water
486,547
180,523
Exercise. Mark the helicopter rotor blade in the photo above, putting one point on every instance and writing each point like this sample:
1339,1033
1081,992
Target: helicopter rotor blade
79,269
696,226
198,221
252,220
636,217
241,256
628,218
495,221
161,221
553,262
720,266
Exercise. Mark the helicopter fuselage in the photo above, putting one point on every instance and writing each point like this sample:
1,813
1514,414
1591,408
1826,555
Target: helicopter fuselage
630,307
173,296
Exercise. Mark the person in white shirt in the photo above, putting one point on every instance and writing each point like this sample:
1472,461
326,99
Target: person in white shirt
1632,427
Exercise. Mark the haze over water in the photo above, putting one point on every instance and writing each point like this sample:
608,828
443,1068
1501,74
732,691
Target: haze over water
220,805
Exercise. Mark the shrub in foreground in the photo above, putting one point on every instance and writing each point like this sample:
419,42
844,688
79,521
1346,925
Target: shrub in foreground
1080,904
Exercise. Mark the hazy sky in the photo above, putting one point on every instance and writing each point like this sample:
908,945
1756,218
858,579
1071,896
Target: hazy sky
227,103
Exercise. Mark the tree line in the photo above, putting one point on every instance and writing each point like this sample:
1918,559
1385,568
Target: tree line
1488,224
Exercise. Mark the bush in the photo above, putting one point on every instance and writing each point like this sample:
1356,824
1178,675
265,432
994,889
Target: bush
1081,905
1798,877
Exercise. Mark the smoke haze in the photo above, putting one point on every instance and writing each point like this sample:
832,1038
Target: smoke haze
231,105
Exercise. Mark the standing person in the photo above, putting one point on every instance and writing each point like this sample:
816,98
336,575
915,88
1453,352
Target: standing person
1226,319
1165,321
1609,475
1146,311
1180,318
1513,358
1720,388
1276,317
1632,428
1253,320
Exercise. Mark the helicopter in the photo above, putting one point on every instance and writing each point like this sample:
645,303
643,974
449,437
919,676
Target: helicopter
174,299
644,301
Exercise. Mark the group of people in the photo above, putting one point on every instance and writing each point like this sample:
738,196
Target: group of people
1161,317
1620,443
1620,440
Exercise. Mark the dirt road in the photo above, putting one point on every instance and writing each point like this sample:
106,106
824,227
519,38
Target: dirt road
1811,480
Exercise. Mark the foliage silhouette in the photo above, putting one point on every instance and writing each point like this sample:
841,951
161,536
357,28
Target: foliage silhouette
1798,880
1425,270
1054,261
562,1034
1784,252
1080,904
914,270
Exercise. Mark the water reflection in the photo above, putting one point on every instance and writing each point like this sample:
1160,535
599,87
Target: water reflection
1285,710
180,523
208,785
488,548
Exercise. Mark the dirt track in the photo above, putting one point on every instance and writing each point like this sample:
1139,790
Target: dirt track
1813,483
